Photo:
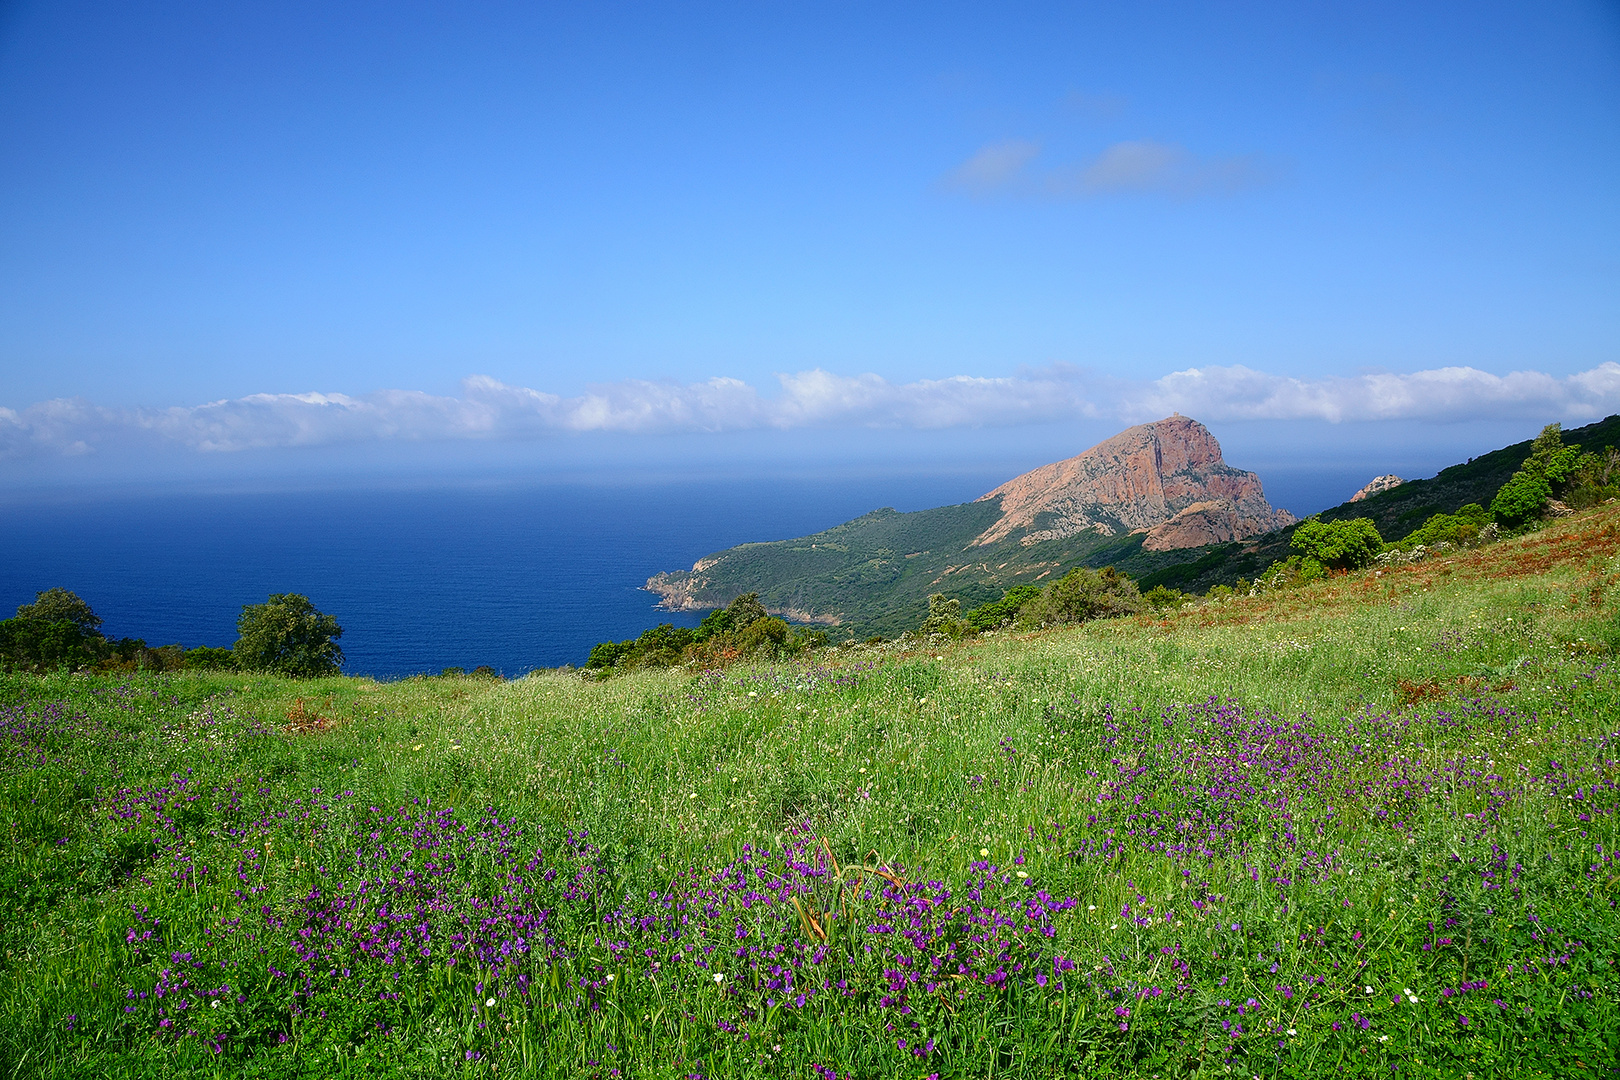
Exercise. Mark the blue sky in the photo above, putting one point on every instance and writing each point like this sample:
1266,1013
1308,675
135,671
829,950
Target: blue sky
298,233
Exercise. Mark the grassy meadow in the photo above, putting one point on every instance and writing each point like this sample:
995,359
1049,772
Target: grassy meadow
1365,828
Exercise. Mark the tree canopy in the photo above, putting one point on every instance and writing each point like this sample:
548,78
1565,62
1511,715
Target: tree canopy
1527,491
286,635
1082,595
1344,545
61,605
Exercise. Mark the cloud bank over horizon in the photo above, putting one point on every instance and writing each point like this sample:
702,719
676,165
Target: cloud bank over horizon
490,410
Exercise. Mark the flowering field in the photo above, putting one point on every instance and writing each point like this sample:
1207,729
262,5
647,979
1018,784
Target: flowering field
1367,828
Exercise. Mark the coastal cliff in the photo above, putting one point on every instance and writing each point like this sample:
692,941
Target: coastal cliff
1131,501
1166,479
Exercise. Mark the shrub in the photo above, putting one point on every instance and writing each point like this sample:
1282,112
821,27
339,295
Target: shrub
944,617
1001,612
204,657
1292,572
1528,491
1162,599
1343,545
1082,595
737,615
1521,498
287,636
741,628
134,654
608,654
57,605
1460,528
1596,479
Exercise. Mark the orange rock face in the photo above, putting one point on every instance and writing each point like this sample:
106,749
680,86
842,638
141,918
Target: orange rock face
1166,479
1378,483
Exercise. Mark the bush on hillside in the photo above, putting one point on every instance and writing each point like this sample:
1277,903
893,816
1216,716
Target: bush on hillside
1340,545
945,617
1082,595
737,615
1527,492
1162,599
737,631
204,657
1522,498
1001,612
286,635
1596,479
1465,527
1289,573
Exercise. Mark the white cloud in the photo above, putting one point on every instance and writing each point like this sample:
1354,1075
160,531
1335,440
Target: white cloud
1441,394
1135,166
1143,165
993,166
491,410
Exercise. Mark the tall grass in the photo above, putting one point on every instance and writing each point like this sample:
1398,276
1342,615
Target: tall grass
1362,828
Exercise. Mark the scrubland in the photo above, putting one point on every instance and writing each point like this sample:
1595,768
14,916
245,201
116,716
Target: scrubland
1364,828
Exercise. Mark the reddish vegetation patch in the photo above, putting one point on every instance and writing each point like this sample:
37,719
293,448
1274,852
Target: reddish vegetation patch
301,721
1410,693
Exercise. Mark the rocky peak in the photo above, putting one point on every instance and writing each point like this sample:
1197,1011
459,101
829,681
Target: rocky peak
1377,484
1165,479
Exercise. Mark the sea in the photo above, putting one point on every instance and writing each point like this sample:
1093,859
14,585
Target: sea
512,576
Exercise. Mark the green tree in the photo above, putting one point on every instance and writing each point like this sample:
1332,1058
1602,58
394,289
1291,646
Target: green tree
762,635
34,644
287,636
1082,595
1001,612
57,629
1528,491
58,605
1343,545
944,617
1162,599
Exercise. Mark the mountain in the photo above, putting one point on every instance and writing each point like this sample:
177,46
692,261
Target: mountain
1377,484
1397,511
1136,500
1166,479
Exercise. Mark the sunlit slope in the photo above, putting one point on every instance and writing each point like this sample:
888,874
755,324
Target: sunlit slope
1396,512
874,574
1363,825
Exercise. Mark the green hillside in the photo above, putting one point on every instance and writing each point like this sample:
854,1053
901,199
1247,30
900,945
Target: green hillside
873,575
1360,830
1397,512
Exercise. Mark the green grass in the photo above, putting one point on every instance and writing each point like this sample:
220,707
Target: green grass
1433,746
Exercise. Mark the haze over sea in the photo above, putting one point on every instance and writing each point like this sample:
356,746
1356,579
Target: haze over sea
513,575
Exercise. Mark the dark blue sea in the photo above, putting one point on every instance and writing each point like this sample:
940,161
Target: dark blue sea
517,576
514,577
